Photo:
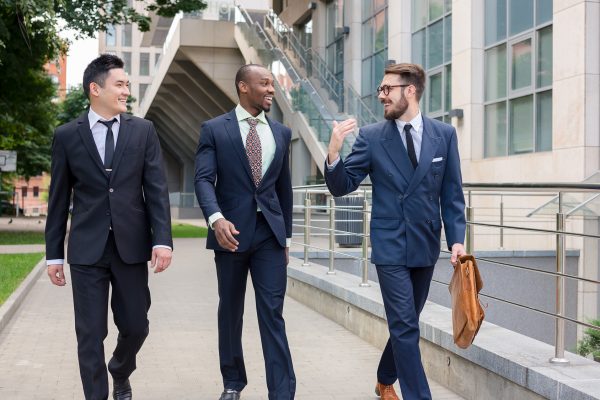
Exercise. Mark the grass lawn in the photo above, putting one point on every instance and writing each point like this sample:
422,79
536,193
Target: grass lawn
13,269
188,231
21,237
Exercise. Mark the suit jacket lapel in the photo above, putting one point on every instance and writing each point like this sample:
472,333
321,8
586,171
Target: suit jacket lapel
429,146
392,143
233,130
122,140
83,128
279,150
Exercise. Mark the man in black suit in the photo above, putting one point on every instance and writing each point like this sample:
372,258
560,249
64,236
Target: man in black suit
109,163
244,188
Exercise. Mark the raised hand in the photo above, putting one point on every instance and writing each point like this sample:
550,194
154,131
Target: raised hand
338,134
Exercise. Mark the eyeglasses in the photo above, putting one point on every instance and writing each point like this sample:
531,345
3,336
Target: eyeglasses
387,88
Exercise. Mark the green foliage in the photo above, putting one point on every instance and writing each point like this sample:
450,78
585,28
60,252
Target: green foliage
13,269
590,344
188,231
74,104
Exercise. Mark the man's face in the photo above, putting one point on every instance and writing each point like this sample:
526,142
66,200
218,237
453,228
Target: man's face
112,97
394,103
256,90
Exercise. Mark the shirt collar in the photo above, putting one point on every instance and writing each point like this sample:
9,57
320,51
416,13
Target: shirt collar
93,118
416,123
243,115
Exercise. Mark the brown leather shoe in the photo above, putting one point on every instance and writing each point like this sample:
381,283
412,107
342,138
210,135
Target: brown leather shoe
386,392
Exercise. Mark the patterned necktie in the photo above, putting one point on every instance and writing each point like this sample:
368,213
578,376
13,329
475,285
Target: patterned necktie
109,145
254,151
410,146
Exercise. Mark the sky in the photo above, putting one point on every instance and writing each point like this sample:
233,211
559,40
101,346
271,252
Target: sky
81,52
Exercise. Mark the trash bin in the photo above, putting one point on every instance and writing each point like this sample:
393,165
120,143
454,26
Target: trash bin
349,220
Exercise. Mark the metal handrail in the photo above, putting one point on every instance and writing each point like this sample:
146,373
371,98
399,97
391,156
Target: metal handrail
471,189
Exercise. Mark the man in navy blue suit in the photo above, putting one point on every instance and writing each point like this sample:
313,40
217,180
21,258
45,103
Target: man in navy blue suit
244,188
414,167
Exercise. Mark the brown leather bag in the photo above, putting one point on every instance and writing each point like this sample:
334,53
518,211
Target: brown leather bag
467,312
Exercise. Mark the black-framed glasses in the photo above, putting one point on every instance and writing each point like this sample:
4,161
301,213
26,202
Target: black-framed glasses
387,88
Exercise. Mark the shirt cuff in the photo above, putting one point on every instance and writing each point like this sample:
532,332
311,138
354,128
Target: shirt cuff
288,242
56,261
213,218
333,164
162,246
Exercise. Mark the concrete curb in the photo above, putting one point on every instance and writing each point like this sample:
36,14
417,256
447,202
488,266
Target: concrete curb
10,306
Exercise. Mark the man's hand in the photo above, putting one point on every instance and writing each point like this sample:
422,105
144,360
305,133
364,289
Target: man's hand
161,259
338,134
457,250
224,231
57,275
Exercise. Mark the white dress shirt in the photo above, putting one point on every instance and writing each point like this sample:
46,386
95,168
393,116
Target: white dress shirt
267,145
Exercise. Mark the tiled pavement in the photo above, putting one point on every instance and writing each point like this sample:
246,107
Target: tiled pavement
179,359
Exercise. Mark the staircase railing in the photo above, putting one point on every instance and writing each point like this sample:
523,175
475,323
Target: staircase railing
342,93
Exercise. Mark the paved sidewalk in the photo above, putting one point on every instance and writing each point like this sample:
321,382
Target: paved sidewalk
179,359
22,248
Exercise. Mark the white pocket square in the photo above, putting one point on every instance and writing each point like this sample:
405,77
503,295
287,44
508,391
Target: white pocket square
437,159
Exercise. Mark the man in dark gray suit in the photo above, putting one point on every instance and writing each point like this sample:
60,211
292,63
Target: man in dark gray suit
109,163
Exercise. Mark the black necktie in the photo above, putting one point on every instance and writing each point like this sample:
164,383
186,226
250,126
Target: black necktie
109,145
410,146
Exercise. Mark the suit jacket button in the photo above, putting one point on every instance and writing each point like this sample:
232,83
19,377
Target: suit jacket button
111,190
108,212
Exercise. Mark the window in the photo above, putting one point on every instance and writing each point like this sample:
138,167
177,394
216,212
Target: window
23,191
334,47
518,77
111,35
126,35
374,51
144,64
36,191
432,49
126,56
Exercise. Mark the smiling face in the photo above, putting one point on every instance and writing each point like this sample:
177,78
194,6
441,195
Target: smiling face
256,90
395,102
110,99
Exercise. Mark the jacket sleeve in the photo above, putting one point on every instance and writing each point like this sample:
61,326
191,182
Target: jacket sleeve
283,186
452,200
348,174
206,172
59,198
156,192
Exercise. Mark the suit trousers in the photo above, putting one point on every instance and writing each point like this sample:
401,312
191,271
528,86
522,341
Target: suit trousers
404,291
265,260
130,302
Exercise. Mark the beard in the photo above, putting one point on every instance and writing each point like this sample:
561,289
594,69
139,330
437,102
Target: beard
395,111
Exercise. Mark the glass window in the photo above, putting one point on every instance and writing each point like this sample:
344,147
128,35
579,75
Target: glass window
521,125
419,11
380,32
521,15
111,36
418,47
495,130
367,8
36,191
144,64
435,92
448,39
436,9
521,64
367,77
544,57
448,5
448,88
126,35
543,11
435,38
543,137
495,72
367,38
495,21
126,56
23,191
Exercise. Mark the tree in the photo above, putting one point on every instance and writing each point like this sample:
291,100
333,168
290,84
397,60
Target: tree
28,39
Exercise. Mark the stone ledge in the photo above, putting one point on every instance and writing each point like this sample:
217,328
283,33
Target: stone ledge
516,358
10,306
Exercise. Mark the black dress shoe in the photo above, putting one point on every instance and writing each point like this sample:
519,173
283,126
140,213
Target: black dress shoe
230,394
122,390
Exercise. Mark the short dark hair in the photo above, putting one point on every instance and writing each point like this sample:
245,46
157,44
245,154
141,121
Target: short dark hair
412,74
242,74
97,70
